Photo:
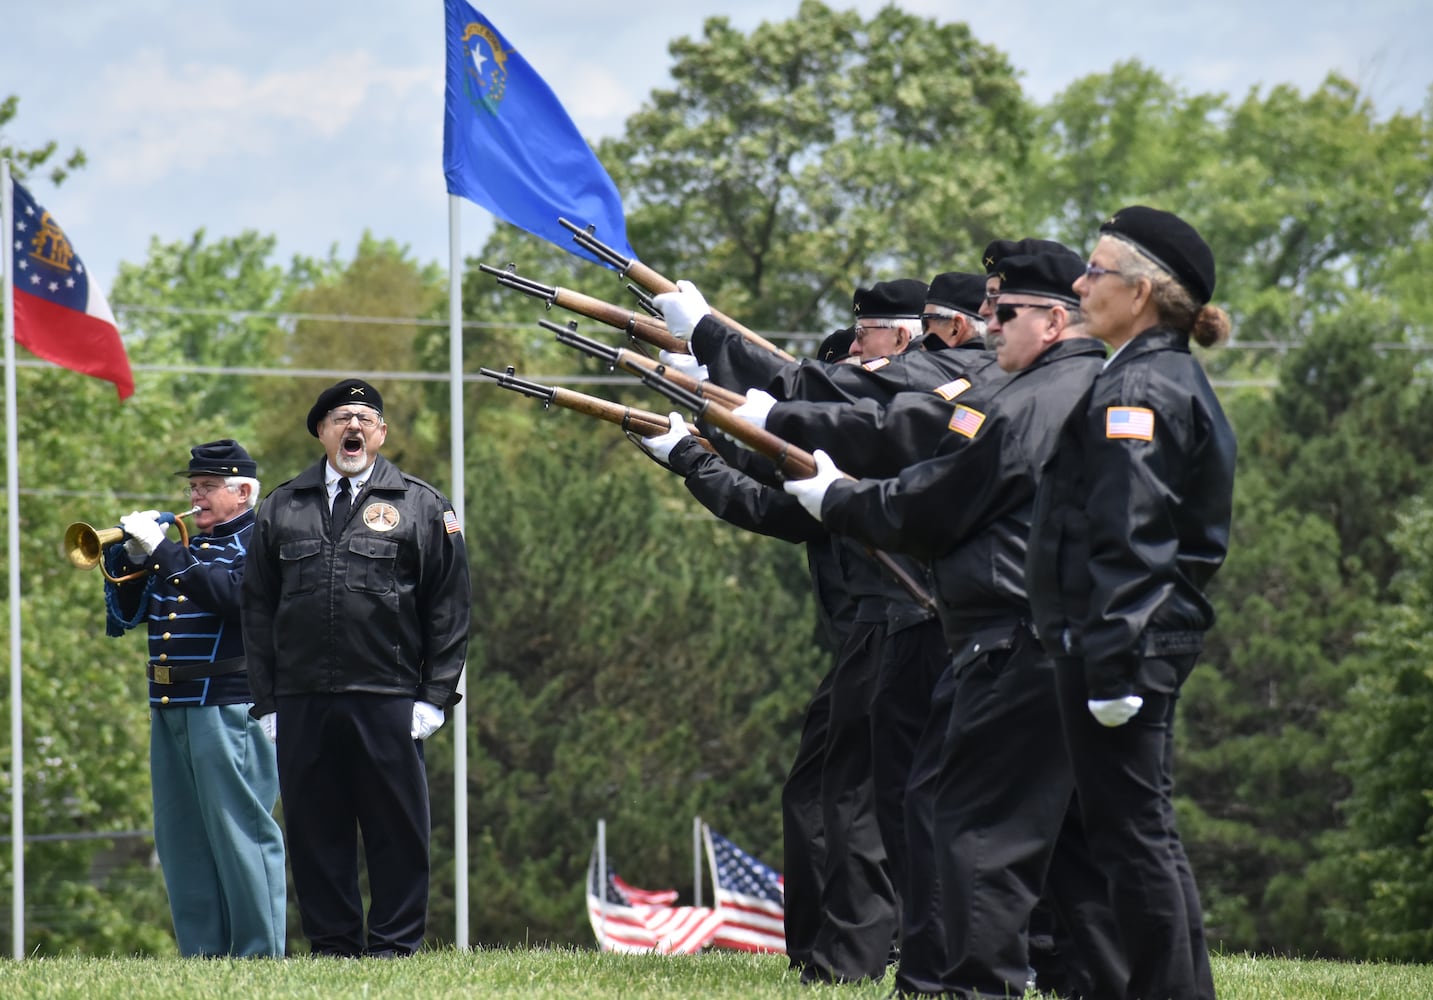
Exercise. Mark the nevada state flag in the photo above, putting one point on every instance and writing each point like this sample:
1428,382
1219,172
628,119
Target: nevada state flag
60,315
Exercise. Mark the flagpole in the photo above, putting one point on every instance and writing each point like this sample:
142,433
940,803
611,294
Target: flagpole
696,861
602,884
12,507
455,447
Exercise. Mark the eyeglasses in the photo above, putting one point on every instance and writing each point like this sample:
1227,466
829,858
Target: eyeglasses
366,420
1006,312
928,318
1093,272
201,491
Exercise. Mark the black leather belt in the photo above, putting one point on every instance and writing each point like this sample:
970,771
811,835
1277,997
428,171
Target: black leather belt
163,673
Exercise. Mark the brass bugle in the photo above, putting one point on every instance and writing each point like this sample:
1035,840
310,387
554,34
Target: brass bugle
84,545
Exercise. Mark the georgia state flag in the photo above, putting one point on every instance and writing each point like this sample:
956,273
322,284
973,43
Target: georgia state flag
60,314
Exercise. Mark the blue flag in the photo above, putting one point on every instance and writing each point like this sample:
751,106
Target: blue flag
509,146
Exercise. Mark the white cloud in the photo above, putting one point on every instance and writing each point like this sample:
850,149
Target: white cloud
155,116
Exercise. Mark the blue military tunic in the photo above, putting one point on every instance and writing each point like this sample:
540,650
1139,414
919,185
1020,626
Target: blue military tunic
184,635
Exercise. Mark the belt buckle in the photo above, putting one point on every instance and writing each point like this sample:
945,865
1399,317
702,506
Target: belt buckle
161,674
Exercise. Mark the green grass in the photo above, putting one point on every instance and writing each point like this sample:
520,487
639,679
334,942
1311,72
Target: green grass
549,973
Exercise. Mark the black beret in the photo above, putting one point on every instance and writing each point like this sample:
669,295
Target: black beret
1050,275
220,458
998,250
349,391
1171,243
958,290
903,298
836,347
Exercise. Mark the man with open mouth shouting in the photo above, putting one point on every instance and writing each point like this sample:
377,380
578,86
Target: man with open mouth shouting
356,605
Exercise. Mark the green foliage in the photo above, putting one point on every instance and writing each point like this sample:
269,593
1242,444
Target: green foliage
22,161
1381,861
791,164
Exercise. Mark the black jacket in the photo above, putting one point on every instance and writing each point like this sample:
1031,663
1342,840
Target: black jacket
877,438
382,609
734,362
848,583
1132,518
967,509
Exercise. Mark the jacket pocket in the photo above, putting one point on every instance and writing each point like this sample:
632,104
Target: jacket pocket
299,564
372,564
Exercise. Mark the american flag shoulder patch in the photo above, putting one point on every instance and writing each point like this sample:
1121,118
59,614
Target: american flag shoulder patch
952,389
876,364
450,522
966,421
1135,422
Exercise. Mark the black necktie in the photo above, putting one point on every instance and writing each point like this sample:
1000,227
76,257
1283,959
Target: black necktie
341,502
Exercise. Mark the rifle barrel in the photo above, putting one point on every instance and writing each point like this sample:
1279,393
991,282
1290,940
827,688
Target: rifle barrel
630,267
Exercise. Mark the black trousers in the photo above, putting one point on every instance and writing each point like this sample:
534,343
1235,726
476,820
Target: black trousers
912,660
1087,960
1124,778
348,764
858,901
1001,799
803,835
923,947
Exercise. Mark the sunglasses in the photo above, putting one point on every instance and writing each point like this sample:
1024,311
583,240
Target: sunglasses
1006,312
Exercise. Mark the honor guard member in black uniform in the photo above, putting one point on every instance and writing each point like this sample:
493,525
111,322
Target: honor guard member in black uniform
860,918
1131,521
213,772
1004,785
356,609
744,502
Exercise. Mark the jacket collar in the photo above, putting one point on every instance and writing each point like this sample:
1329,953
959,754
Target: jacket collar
384,475
233,526
1075,347
1156,338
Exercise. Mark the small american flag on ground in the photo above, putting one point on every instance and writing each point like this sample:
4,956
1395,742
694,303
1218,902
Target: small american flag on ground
750,897
638,921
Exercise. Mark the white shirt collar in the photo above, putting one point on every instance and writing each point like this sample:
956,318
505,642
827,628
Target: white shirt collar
331,476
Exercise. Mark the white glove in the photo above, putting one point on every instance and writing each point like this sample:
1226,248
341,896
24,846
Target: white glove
427,719
682,310
143,528
660,447
684,363
270,725
1115,711
758,404
811,492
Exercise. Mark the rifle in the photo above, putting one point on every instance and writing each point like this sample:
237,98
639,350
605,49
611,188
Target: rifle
636,364
642,422
644,328
652,281
790,461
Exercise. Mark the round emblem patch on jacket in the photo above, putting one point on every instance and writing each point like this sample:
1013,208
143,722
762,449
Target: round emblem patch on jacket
381,516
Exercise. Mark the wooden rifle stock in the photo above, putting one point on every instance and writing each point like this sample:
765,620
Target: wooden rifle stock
641,422
791,461
637,364
647,329
656,284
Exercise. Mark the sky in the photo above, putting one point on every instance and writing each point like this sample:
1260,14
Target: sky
315,122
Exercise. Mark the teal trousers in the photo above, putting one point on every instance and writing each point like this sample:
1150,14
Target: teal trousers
215,781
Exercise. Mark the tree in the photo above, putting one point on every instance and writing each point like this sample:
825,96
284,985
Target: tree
1383,905
791,164
26,160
